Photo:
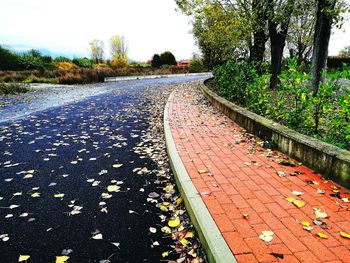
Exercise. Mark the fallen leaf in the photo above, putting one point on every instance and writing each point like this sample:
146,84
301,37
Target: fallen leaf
165,254
61,259
58,195
343,234
281,173
266,235
345,199
152,230
174,223
97,236
113,188
35,195
166,230
320,214
297,203
277,255
322,235
320,191
202,171
297,193
23,258
117,165
305,223
184,242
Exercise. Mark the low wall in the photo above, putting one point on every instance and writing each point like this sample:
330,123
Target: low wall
328,160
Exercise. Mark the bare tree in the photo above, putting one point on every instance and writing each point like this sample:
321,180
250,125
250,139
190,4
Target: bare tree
97,50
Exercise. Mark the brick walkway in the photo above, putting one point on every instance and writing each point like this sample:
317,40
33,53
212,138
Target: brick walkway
245,189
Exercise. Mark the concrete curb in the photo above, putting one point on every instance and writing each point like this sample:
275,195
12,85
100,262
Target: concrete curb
213,242
116,79
328,160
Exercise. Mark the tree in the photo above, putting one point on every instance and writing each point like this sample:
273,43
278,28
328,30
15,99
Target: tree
156,62
97,50
167,58
278,22
322,34
300,35
228,29
345,51
118,48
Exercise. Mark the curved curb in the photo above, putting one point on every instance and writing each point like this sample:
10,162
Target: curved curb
116,79
213,242
328,160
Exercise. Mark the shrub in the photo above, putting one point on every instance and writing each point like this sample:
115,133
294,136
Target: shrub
12,88
337,61
196,65
232,78
83,62
66,66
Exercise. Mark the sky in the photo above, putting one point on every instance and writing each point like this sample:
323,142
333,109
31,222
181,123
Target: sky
67,26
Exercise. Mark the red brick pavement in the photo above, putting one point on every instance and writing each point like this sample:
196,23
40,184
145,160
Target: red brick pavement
244,194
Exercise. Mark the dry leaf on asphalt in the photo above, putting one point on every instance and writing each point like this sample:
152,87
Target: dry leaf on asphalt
23,258
61,259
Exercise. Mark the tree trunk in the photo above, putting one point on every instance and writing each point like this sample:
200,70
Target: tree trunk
260,37
277,46
321,41
278,39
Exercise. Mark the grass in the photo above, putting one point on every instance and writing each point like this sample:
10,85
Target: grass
12,88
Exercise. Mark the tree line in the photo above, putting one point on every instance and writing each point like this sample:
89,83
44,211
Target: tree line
241,29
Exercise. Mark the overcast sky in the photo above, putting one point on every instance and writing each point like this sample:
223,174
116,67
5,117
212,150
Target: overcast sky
67,26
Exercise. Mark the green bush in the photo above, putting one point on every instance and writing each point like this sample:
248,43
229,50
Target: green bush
196,65
325,116
232,78
83,62
13,88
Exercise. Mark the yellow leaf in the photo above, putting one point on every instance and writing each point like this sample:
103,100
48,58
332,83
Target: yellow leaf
165,203
58,195
23,258
163,208
322,235
113,188
343,234
165,254
61,259
184,242
166,230
299,203
189,235
290,199
174,223
30,171
179,201
305,223
202,171
168,188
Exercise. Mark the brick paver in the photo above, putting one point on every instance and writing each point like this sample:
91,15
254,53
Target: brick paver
240,185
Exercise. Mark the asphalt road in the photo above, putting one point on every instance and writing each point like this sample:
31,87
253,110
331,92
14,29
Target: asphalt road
70,178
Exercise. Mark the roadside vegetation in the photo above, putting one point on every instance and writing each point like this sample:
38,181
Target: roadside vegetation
271,57
33,67
12,88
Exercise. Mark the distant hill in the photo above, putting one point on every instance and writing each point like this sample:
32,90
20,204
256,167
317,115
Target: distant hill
43,51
